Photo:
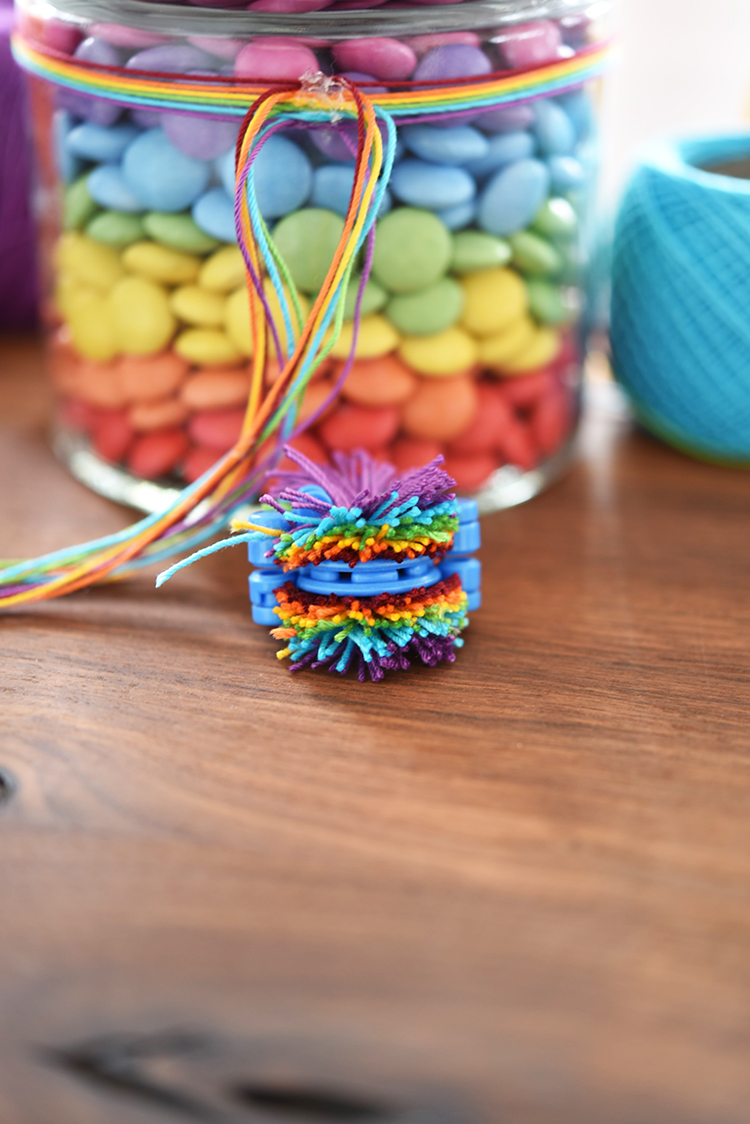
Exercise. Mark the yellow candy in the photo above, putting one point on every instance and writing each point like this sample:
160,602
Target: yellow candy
237,317
197,306
223,271
376,337
495,299
207,347
140,313
443,353
90,263
541,350
91,325
159,263
499,350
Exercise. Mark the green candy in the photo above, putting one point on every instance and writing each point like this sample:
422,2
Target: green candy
373,299
474,250
430,310
534,255
115,228
547,303
307,241
78,206
556,219
178,232
413,249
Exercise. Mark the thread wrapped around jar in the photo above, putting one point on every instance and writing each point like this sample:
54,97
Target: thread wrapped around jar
467,339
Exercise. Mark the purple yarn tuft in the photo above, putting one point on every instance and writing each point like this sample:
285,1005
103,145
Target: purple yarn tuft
357,480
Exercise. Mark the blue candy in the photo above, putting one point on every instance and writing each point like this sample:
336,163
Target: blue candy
554,130
432,186
502,149
68,164
566,172
160,176
457,145
512,197
103,145
107,187
456,218
214,214
332,189
283,177
579,109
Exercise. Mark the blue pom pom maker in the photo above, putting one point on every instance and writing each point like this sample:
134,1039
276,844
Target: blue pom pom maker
366,579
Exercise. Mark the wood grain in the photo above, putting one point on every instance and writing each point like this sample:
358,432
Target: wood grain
514,890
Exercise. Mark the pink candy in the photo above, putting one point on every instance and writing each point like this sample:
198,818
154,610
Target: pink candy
274,59
383,58
530,44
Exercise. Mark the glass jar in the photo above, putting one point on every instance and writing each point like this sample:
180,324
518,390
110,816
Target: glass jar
472,331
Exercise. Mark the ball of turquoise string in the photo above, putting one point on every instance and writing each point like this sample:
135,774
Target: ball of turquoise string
680,319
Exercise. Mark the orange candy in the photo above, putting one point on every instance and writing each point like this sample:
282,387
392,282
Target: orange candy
214,388
353,427
164,414
441,409
152,376
385,381
99,384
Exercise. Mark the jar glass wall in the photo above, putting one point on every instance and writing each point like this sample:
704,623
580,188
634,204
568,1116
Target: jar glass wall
472,328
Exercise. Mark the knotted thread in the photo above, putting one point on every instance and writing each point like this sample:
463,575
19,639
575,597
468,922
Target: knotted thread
680,321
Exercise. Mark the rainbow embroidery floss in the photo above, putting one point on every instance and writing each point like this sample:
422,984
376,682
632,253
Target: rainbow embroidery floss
365,570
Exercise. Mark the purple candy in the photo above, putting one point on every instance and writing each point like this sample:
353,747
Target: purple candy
145,118
288,6
575,30
98,51
530,44
455,60
357,77
172,58
506,119
204,138
97,110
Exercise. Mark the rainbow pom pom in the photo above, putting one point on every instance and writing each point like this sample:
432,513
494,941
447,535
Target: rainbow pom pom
364,570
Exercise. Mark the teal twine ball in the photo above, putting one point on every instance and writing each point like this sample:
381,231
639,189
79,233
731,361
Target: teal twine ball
680,316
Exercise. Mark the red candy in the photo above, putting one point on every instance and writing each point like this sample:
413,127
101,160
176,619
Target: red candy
352,426
216,429
113,435
470,472
156,454
494,416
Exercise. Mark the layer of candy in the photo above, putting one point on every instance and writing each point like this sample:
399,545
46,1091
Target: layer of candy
412,517
376,633
474,288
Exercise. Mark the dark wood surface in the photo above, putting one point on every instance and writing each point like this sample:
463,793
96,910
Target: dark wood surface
514,890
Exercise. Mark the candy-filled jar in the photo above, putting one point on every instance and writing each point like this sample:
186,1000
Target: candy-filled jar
468,336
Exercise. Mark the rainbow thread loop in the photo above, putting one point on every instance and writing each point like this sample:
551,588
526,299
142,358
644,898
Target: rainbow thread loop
269,420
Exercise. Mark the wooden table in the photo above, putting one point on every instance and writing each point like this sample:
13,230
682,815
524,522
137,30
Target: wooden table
512,891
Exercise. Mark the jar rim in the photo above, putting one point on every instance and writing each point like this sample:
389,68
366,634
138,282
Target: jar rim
188,20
